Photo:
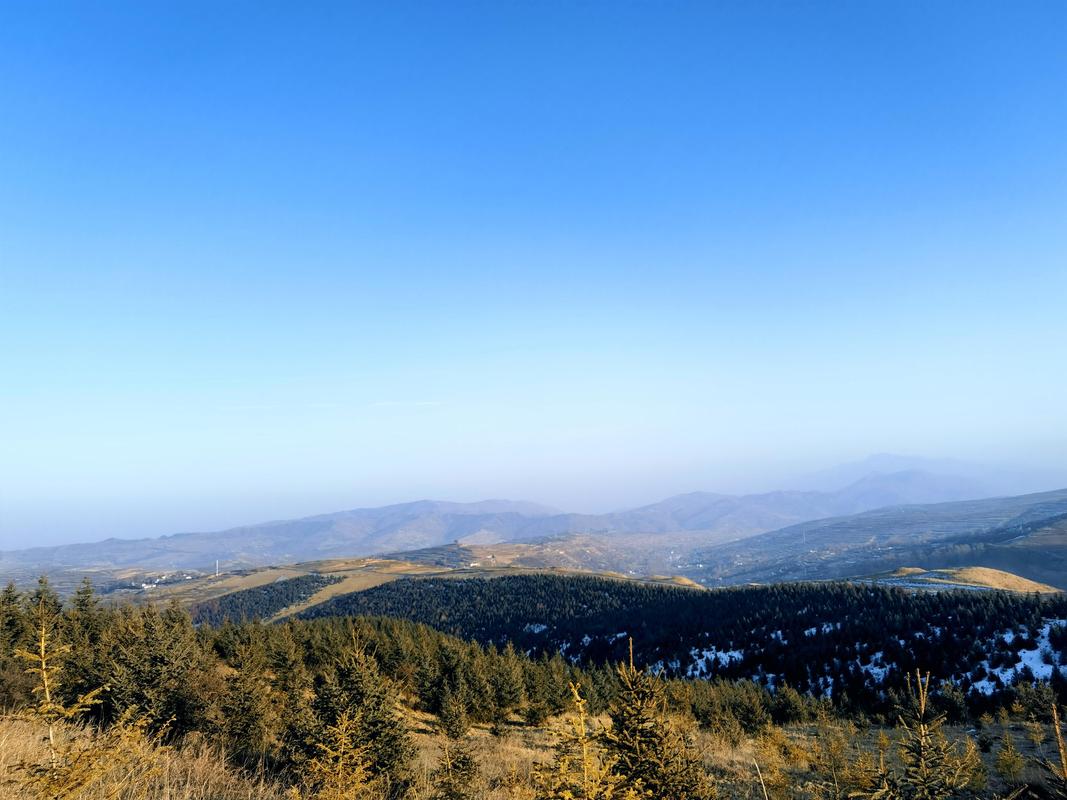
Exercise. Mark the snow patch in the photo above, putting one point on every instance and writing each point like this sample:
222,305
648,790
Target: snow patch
704,661
1036,659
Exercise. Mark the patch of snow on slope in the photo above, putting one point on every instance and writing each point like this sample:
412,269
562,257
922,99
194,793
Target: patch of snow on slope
1034,658
877,668
703,661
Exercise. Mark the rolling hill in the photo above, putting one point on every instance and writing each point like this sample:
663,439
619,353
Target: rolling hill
692,520
1026,535
974,578
274,593
822,638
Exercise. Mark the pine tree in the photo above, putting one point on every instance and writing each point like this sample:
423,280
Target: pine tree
456,775
339,769
156,665
15,685
581,770
537,692
123,757
884,783
841,767
1035,732
477,689
250,711
83,627
953,702
651,755
291,682
355,685
1009,760
453,716
506,680
13,625
43,593
931,768
789,705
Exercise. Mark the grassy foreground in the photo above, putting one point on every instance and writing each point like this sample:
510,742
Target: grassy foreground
812,761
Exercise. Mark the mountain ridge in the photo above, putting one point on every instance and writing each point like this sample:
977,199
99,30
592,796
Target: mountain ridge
427,523
1024,534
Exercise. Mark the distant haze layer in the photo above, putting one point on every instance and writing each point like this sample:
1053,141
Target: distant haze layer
260,260
421,524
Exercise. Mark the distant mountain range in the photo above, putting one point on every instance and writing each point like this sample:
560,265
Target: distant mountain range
1026,535
705,517
988,481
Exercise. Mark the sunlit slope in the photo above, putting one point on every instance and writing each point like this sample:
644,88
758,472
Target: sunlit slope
962,578
1024,535
255,592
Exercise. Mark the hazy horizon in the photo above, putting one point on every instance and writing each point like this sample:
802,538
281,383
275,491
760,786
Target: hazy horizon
135,521
259,262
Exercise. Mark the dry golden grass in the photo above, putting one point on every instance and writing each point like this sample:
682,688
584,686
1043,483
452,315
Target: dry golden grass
505,763
355,582
198,590
904,572
356,574
677,580
993,578
359,574
193,772
985,577
196,771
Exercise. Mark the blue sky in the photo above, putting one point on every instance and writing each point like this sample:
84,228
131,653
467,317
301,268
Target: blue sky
267,259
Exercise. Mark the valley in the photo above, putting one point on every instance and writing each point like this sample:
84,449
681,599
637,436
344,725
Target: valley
692,521
747,640
1023,535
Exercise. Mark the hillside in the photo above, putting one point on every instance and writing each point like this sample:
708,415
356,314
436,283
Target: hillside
424,694
693,520
1025,535
1017,543
275,593
822,638
978,578
360,531
819,638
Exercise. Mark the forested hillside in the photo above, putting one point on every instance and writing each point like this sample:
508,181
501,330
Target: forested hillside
260,602
1024,535
380,708
843,640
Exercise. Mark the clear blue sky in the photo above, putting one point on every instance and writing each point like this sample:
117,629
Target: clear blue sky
266,259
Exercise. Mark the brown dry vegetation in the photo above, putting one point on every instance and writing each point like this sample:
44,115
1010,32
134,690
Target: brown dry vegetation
797,762
195,771
997,579
356,735
983,577
359,574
